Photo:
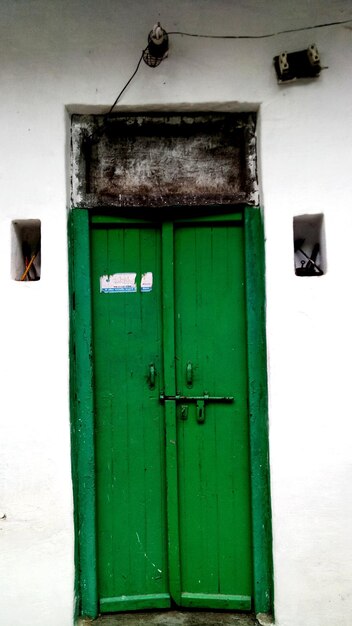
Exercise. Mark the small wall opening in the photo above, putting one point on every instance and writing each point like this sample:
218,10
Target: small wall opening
26,250
309,245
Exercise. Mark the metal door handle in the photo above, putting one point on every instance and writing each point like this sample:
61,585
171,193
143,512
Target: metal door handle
151,377
189,374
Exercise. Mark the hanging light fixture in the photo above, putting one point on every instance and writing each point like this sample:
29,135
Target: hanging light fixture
158,45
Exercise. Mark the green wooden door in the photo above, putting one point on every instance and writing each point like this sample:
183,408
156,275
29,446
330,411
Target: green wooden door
170,380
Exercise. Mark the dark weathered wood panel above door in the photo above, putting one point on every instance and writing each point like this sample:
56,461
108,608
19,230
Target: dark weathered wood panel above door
156,161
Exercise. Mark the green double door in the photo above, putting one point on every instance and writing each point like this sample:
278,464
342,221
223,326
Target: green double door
171,411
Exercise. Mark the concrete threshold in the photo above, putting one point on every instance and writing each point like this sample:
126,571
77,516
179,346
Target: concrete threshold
174,618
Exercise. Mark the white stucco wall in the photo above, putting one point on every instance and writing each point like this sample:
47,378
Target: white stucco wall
76,56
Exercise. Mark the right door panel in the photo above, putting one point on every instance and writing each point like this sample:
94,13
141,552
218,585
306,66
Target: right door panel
213,451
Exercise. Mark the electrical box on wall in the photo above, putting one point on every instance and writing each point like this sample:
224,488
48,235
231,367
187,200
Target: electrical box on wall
309,245
291,66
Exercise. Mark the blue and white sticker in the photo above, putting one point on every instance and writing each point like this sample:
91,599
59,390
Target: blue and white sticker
147,282
118,283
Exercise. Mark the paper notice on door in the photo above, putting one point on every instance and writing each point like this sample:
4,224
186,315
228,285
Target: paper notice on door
118,283
147,281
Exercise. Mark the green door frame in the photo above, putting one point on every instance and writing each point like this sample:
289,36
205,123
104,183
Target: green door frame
82,411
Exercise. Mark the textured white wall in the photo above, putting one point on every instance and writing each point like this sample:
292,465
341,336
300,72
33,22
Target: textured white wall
76,56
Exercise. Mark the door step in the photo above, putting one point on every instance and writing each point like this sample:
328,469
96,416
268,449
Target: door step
173,618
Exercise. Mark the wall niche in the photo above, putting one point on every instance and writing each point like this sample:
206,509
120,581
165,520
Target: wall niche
309,245
26,250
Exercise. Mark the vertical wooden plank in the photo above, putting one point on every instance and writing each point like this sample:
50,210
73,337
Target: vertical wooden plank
258,406
170,408
74,446
198,487
83,424
129,422
214,485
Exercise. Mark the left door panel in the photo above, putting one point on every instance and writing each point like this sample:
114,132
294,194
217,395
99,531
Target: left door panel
129,420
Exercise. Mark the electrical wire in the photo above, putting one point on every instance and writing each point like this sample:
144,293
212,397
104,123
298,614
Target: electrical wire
128,82
266,36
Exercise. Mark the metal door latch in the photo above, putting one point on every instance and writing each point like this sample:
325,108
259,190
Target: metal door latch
200,403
